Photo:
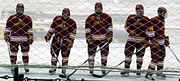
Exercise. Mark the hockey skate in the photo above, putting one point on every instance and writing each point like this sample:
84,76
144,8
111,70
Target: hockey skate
63,75
149,78
26,70
52,71
91,71
125,73
103,72
138,72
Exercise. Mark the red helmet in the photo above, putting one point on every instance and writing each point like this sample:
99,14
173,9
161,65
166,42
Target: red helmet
98,4
66,11
162,12
162,9
20,5
139,6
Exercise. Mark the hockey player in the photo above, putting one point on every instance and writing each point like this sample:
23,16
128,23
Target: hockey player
64,29
136,25
19,32
158,43
98,31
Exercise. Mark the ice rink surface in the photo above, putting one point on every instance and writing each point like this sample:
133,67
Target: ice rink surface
80,9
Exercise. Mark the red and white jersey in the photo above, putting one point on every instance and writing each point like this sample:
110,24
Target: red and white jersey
158,29
18,28
98,26
139,25
63,29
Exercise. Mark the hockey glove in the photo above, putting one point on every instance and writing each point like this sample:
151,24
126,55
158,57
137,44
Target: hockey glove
6,37
89,39
47,37
146,43
30,39
167,41
155,43
70,44
132,33
109,38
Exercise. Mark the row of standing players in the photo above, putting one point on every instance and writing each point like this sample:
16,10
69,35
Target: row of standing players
142,31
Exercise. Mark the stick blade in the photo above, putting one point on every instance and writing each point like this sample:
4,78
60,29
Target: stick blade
98,76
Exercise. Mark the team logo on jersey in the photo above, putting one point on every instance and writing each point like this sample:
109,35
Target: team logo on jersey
92,17
63,26
19,23
98,22
138,24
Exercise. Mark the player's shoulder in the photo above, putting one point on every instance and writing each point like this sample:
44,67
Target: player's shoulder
92,16
12,16
132,16
27,16
105,14
154,18
72,20
58,17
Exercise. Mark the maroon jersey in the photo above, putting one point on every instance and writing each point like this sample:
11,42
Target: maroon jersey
63,29
98,26
158,27
18,28
139,25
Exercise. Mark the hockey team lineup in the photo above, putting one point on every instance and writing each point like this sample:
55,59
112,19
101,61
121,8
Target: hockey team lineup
98,37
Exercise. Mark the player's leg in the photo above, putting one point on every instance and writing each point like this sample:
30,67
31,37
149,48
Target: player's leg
54,53
13,55
160,63
14,49
139,56
91,55
25,46
129,49
104,55
65,52
153,63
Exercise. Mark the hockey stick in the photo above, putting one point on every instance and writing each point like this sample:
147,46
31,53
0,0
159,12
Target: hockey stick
83,62
100,76
173,54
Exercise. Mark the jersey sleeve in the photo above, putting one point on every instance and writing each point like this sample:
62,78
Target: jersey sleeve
150,32
30,28
88,26
128,23
9,24
72,31
52,26
110,27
